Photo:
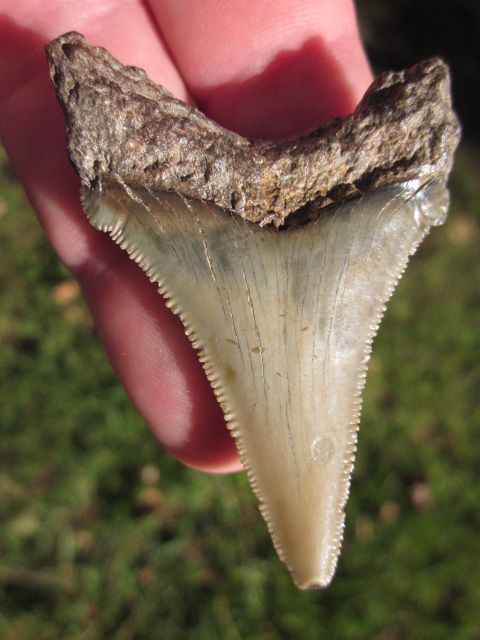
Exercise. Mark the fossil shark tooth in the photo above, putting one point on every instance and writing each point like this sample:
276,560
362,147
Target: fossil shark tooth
279,259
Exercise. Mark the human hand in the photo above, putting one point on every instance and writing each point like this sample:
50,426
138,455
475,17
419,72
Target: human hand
263,68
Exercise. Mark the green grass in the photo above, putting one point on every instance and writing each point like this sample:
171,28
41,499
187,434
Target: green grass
105,536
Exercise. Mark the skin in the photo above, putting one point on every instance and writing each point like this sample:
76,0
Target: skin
264,68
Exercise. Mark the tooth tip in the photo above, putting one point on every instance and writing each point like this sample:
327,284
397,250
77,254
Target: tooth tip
319,574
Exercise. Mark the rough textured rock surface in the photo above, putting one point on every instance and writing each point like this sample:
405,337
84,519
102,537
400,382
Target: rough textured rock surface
122,127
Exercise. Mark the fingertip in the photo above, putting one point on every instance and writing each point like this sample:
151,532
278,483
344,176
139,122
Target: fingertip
150,352
265,68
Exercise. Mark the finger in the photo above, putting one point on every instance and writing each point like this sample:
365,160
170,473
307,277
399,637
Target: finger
267,68
155,361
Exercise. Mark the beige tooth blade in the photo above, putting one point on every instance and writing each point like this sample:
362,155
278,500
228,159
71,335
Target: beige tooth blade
283,321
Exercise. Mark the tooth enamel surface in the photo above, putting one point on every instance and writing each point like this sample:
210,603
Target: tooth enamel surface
283,322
